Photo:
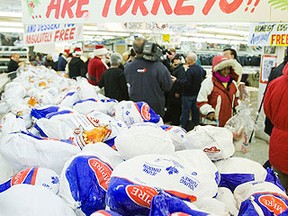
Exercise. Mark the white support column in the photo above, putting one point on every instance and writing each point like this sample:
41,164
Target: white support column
280,52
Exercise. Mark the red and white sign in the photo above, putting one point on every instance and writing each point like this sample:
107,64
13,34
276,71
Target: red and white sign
99,11
51,33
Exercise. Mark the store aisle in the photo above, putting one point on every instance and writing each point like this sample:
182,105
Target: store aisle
258,151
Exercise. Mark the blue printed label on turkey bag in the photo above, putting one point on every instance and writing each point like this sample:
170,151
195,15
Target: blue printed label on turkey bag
42,113
164,204
127,198
270,203
147,114
88,178
106,213
231,181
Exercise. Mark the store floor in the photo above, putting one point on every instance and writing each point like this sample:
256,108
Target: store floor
258,151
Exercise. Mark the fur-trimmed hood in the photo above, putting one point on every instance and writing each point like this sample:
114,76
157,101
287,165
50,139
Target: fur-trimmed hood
220,62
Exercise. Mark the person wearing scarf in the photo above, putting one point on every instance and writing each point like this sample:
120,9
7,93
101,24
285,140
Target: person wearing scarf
217,98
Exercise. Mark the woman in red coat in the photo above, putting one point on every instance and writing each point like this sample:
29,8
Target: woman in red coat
217,98
276,109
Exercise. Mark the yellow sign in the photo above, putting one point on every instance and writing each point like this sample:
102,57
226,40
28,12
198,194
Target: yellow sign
166,38
279,40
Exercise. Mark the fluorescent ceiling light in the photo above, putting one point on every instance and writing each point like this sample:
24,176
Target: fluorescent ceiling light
11,24
12,30
222,30
121,34
10,14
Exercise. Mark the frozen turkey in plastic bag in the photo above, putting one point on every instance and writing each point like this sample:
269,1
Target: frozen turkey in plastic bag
23,150
177,134
89,105
197,158
216,142
70,98
84,178
213,206
7,170
34,176
105,213
140,139
163,204
226,196
13,90
132,113
244,191
86,90
11,123
28,200
147,174
236,171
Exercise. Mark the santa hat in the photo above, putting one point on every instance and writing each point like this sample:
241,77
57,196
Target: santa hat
67,50
100,50
77,51
221,62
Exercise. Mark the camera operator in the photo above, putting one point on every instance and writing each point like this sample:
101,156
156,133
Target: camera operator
147,80
168,58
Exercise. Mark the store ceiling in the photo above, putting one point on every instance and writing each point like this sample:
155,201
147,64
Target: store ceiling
10,21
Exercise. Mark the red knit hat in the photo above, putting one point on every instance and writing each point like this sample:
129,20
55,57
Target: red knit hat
100,50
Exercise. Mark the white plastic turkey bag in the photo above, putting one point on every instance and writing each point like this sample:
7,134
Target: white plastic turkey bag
34,176
105,213
177,134
23,111
164,204
6,170
136,181
84,179
216,142
84,129
28,200
244,191
213,206
86,90
13,91
4,107
261,198
132,113
24,150
140,139
236,171
88,105
12,123
70,98
197,158
226,196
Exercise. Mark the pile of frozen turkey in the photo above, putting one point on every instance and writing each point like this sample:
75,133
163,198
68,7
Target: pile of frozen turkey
66,150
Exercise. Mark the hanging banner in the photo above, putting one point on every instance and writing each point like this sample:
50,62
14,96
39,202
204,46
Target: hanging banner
268,34
51,33
101,11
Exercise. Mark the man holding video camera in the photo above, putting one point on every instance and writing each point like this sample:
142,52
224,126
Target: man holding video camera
147,77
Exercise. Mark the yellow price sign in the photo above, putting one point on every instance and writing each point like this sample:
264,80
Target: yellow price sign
166,38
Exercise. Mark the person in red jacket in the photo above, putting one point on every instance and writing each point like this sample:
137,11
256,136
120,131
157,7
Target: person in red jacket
276,109
96,66
217,96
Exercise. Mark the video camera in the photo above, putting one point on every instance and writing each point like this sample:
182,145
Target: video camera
153,52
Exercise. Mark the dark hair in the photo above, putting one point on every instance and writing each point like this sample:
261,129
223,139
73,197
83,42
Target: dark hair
138,46
132,53
233,52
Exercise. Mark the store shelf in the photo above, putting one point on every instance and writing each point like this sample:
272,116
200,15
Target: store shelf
8,59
